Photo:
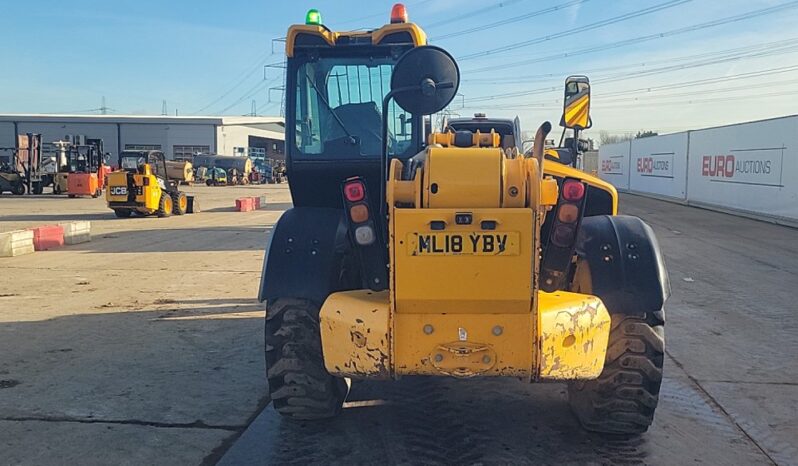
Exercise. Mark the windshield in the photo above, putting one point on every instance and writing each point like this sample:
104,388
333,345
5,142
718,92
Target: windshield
131,162
339,109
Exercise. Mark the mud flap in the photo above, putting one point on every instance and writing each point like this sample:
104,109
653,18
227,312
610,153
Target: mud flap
303,255
626,267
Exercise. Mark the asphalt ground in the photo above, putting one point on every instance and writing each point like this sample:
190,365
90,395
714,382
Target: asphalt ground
145,347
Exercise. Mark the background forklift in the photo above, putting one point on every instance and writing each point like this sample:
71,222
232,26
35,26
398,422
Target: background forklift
10,179
82,170
26,166
142,186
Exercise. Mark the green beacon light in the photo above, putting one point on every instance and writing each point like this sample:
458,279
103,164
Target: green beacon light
313,17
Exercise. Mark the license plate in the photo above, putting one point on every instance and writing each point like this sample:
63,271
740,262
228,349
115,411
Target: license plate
464,243
119,191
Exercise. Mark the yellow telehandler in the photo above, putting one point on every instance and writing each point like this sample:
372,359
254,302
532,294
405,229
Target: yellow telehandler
444,254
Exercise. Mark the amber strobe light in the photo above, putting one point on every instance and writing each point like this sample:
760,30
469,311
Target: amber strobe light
398,13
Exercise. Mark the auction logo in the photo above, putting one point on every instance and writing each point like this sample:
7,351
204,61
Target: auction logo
612,165
656,165
750,166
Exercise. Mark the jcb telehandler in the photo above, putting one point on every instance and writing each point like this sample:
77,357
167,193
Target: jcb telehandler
439,255
142,185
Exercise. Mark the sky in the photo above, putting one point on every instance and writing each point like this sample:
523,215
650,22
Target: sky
661,65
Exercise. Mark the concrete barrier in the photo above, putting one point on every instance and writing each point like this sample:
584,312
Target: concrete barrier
261,202
245,204
256,202
16,243
48,237
76,232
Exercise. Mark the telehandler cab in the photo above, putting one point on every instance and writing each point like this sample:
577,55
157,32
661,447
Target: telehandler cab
410,254
142,185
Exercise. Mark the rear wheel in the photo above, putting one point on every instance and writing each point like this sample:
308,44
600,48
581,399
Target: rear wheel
299,384
180,202
209,182
122,213
165,206
19,189
623,399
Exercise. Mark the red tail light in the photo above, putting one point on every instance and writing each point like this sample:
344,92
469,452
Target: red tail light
398,14
573,190
354,191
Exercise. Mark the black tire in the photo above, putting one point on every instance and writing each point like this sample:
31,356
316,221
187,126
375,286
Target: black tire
299,385
165,205
38,188
209,182
19,189
122,213
624,397
179,203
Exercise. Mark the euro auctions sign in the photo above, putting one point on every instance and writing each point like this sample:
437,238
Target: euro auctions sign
656,165
759,167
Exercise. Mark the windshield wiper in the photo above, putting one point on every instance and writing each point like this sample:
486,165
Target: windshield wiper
352,139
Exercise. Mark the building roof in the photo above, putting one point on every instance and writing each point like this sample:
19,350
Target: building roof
145,119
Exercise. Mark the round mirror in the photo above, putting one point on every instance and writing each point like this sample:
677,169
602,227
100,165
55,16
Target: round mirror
425,79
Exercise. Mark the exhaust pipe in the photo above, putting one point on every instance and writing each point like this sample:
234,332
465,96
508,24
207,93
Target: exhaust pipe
539,145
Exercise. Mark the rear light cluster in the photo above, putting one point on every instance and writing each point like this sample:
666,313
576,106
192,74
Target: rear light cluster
562,238
568,213
358,210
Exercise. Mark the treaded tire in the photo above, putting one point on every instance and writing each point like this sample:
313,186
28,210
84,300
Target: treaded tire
179,203
165,205
299,385
624,397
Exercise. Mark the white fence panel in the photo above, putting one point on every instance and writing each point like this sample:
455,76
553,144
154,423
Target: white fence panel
658,165
750,167
614,164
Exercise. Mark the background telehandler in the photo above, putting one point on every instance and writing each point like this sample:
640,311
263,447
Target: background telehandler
438,254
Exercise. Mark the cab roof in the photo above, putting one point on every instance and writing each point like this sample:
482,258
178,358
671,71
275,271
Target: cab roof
315,36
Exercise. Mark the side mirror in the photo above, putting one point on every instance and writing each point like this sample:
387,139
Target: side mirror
425,80
576,104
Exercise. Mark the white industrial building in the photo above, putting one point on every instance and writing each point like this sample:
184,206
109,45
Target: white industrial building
179,137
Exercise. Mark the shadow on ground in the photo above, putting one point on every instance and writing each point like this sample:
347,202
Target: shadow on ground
194,367
200,239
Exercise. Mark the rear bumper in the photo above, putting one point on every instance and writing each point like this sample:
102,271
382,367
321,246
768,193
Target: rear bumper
565,339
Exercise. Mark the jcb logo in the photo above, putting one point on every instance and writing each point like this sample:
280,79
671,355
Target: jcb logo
118,191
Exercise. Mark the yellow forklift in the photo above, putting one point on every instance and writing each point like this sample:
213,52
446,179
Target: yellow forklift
142,186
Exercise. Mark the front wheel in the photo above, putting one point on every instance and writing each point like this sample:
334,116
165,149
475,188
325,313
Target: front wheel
180,202
624,397
299,384
19,189
165,206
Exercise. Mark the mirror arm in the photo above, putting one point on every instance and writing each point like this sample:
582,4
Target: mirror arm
384,154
